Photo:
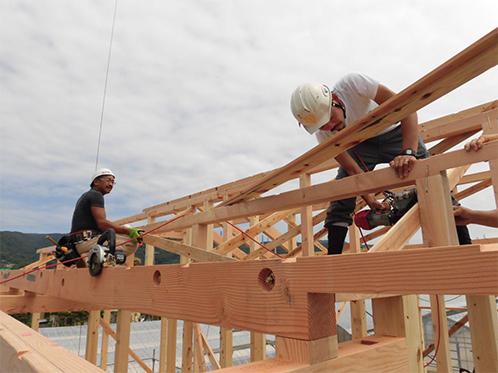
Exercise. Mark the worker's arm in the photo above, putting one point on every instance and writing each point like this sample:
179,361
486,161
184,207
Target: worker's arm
402,164
464,216
352,168
476,144
102,222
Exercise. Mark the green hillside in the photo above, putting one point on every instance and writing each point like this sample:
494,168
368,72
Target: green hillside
19,249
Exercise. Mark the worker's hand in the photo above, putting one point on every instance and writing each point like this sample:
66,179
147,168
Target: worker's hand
463,215
476,144
135,233
375,204
402,165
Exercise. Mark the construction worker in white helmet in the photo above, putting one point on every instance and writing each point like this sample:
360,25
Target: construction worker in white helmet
89,218
323,112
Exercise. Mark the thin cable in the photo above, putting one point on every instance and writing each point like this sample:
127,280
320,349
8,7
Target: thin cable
86,256
260,244
105,86
438,334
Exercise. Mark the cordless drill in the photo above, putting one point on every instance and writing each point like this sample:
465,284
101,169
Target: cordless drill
400,202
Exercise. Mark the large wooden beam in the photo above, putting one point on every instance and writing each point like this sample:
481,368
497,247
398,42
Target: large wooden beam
40,303
370,182
465,66
24,350
275,293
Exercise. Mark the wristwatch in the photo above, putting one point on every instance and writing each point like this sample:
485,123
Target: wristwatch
409,151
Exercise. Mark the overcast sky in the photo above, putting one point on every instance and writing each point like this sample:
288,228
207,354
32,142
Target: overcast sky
198,91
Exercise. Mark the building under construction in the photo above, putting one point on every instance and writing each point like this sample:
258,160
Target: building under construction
288,290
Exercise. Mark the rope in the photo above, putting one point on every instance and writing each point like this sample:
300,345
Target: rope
260,244
132,239
105,86
438,334
86,256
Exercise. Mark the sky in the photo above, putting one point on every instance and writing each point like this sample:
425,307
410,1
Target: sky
197,92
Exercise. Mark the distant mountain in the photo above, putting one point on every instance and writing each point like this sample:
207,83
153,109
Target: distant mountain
19,249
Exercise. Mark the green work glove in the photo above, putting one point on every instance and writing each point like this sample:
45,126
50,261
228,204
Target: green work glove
135,233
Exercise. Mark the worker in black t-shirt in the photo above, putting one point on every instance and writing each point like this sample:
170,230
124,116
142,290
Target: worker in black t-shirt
89,218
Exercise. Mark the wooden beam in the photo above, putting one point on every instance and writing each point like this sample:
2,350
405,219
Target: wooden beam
41,303
460,126
279,308
370,182
192,252
465,66
24,350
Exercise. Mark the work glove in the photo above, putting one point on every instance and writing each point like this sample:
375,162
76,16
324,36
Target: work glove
135,233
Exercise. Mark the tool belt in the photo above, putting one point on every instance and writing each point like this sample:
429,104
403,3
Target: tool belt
66,252
83,235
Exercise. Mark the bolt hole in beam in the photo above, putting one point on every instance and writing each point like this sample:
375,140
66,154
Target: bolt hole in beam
266,279
157,278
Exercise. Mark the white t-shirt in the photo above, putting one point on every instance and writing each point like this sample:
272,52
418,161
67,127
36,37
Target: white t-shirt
357,92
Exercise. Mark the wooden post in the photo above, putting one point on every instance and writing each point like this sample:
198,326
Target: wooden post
149,249
388,316
171,349
291,225
200,362
187,346
258,340
187,341
122,341
163,344
92,336
414,333
357,307
105,341
226,334
482,308
226,345
35,321
438,229
308,244
483,332
322,344
491,128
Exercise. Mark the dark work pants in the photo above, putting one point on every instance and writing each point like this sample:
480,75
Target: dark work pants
374,151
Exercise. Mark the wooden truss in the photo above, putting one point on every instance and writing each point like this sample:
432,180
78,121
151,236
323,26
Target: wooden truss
293,295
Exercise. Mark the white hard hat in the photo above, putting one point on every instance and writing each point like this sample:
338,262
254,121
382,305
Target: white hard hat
311,104
102,172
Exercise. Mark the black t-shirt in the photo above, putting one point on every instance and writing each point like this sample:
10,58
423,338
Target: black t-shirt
82,216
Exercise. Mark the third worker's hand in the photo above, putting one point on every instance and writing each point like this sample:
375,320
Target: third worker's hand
135,233
402,165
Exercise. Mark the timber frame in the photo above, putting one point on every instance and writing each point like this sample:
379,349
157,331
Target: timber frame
293,296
